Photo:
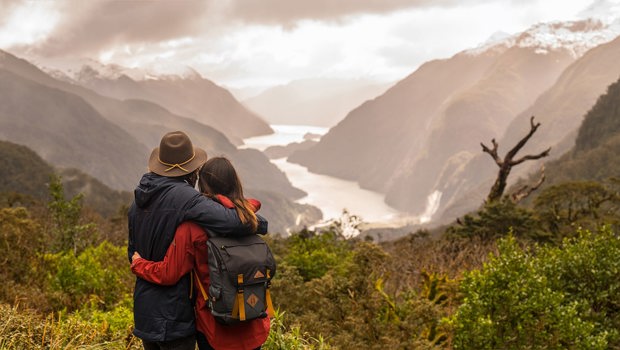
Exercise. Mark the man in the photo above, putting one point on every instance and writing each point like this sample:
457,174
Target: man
165,197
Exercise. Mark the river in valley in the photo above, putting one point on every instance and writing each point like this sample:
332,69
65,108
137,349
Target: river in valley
330,194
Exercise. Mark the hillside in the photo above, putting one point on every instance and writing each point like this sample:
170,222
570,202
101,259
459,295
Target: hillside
515,80
27,173
23,171
595,156
399,118
67,131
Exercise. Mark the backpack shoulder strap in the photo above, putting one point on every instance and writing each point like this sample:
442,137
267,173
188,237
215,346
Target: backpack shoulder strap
270,309
202,289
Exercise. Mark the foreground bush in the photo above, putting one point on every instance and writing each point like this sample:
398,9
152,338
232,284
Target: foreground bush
27,329
563,297
98,274
353,304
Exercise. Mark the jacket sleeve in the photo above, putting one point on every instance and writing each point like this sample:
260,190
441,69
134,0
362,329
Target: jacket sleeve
263,225
179,259
214,217
130,239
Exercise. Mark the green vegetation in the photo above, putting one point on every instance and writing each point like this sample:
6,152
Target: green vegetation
547,297
68,284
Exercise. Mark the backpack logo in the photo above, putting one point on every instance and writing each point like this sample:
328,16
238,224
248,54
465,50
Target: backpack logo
258,274
252,300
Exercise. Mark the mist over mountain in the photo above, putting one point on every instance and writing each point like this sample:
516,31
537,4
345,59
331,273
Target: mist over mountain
426,130
187,94
319,102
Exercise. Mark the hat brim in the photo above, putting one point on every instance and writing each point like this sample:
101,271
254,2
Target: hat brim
200,157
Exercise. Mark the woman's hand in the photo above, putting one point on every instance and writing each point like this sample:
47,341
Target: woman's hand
135,256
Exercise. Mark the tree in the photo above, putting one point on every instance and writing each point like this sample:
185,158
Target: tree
505,166
586,204
68,230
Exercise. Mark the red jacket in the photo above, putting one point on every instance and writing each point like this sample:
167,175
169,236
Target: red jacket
188,251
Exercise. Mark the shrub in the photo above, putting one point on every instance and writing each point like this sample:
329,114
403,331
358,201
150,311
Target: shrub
20,240
523,299
315,254
498,218
25,329
98,273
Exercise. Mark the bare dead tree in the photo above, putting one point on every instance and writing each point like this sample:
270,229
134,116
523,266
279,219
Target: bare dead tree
505,165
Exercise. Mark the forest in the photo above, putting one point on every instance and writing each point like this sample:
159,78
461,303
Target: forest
539,273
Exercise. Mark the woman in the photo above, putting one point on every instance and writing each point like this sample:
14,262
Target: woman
218,180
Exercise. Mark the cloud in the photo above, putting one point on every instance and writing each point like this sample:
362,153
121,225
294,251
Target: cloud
287,12
7,7
90,26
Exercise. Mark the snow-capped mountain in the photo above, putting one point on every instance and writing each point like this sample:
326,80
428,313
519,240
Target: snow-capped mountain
575,36
84,69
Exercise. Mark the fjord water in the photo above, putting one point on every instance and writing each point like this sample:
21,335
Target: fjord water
330,194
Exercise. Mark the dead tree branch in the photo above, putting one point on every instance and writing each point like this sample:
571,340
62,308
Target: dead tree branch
505,165
526,190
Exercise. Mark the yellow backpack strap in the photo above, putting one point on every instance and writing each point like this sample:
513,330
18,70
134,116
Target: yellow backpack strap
202,289
238,310
270,310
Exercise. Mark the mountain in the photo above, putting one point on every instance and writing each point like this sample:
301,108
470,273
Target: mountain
29,174
24,171
187,94
560,110
374,138
67,131
319,102
428,127
595,155
141,122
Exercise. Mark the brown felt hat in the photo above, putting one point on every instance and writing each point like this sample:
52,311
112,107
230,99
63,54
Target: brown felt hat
176,156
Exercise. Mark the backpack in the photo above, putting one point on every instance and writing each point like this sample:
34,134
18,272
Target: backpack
240,273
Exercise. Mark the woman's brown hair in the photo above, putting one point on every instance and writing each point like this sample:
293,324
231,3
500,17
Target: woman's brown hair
218,176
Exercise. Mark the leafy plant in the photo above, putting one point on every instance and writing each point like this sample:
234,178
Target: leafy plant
522,300
67,229
313,254
99,274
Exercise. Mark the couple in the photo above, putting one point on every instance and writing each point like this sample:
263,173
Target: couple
168,226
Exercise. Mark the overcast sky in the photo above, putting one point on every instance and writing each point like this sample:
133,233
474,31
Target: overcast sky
239,43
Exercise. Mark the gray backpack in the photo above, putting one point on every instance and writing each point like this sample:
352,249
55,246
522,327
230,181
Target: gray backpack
240,273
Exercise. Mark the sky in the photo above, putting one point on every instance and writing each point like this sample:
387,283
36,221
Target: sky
261,43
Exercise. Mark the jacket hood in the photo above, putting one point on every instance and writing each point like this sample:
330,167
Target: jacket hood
151,185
